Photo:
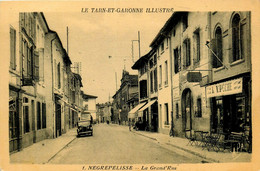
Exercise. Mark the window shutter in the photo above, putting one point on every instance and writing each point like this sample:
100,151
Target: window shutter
12,48
25,59
213,47
36,66
188,51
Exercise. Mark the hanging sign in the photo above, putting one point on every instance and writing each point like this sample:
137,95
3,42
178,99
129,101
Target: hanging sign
225,88
194,77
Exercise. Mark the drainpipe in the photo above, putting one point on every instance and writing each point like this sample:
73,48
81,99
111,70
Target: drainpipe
210,74
171,75
171,87
53,99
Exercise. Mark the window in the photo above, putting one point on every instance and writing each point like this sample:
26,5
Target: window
143,89
166,114
186,51
185,21
162,47
237,33
43,115
36,66
176,61
155,80
58,76
166,73
29,61
196,46
38,115
151,82
217,49
177,110
198,112
151,62
12,48
155,59
160,70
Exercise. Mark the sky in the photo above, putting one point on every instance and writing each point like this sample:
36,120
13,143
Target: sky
93,37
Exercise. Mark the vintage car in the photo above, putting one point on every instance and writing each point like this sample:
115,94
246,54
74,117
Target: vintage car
85,124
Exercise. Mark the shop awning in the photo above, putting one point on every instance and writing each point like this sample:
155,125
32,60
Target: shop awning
136,108
147,105
132,112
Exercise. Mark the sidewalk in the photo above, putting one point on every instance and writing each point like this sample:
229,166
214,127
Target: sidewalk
180,144
42,152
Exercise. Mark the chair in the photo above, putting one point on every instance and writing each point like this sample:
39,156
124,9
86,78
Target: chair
190,135
221,143
235,141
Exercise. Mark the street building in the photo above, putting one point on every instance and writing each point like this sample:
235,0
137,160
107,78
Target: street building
147,110
89,105
125,98
203,61
43,92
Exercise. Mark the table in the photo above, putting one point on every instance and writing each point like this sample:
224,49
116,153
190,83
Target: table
202,135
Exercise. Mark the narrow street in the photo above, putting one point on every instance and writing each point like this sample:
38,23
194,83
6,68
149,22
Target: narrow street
113,144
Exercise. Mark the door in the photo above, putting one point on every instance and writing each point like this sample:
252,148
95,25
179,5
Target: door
33,122
13,126
58,120
187,109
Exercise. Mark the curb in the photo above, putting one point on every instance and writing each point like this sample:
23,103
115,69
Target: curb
60,150
184,149
194,153
144,135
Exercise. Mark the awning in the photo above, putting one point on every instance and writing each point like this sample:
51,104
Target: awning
147,105
132,112
137,107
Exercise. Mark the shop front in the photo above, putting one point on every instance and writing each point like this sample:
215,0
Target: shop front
231,107
148,114
15,137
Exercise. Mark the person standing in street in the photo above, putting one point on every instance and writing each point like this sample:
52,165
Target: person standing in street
129,124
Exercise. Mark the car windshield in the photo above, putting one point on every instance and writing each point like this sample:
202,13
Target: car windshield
85,117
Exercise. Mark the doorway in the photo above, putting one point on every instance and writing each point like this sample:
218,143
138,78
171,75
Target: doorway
187,109
58,119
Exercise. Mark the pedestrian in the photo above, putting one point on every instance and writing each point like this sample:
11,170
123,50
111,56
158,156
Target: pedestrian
129,124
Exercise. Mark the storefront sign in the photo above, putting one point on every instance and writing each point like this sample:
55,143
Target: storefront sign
225,88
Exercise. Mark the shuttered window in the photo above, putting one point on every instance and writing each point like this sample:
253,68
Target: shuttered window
12,48
196,46
237,35
36,66
186,51
217,48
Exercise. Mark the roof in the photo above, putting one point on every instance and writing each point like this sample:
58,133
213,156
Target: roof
87,96
142,60
167,28
66,56
77,76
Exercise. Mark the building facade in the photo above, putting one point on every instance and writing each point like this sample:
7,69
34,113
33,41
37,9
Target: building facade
89,105
39,77
147,110
125,98
209,63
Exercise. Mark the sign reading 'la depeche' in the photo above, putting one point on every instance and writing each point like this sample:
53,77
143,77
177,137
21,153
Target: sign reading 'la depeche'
225,88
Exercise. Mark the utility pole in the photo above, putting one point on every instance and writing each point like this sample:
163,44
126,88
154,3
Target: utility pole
139,46
68,40
116,80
